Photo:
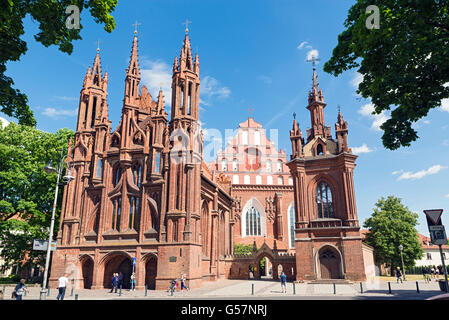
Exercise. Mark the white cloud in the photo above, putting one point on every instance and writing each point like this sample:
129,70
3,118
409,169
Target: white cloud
156,75
362,149
3,122
421,174
60,113
210,87
302,45
447,196
313,53
445,105
358,78
378,119
397,172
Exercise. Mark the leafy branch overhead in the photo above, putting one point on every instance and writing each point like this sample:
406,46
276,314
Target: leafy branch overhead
404,63
51,16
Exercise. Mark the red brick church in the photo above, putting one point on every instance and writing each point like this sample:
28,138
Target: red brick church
143,200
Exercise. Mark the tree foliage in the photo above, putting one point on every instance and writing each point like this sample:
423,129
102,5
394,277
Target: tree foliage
392,224
404,63
26,191
51,17
242,248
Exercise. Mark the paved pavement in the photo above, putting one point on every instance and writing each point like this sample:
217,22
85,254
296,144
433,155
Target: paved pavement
243,289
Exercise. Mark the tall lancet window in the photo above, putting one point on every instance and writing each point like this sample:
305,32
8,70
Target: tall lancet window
99,168
253,226
116,176
324,201
291,222
116,213
134,213
137,174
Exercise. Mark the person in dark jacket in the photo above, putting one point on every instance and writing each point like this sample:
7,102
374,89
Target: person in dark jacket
120,279
114,283
398,275
20,289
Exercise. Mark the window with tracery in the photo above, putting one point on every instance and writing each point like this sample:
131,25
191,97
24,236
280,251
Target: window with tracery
253,226
324,201
116,213
137,174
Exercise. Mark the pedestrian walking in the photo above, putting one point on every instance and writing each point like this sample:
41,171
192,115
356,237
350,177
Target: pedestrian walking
19,290
172,287
133,282
120,279
114,281
283,282
62,285
432,272
183,282
398,275
425,273
437,273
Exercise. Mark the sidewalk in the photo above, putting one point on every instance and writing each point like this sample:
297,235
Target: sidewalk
242,289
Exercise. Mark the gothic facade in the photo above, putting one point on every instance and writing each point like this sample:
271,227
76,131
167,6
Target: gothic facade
142,199
328,240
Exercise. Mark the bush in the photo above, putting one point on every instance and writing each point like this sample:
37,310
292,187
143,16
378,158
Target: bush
12,279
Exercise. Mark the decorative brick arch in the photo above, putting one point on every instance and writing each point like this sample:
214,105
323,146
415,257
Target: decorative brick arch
87,269
113,262
319,252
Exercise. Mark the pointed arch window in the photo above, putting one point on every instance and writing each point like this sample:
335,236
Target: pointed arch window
319,149
324,201
157,162
116,176
99,168
291,222
134,213
253,225
116,213
137,174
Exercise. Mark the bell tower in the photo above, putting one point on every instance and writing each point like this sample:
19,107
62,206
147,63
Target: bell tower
184,175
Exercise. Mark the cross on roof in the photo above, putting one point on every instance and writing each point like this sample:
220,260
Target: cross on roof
314,60
250,110
294,115
135,26
98,45
187,24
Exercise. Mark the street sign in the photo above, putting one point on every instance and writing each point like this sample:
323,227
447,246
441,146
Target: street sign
42,245
433,216
134,261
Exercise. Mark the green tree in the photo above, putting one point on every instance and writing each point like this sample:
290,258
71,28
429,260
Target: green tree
404,63
51,16
242,248
392,224
26,191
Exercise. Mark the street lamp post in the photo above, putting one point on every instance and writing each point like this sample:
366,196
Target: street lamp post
402,259
49,169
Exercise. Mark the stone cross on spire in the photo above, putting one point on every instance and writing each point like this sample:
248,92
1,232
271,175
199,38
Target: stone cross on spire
187,25
135,25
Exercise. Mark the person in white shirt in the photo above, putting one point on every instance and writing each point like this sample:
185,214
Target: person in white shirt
62,286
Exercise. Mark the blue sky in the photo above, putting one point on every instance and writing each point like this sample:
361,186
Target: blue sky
252,53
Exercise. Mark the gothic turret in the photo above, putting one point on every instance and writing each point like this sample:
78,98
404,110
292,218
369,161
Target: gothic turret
297,141
316,107
132,80
341,132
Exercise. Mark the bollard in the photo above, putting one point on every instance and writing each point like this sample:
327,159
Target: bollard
76,296
294,288
389,287
48,291
146,289
71,292
417,287
335,289
361,288
252,289
120,294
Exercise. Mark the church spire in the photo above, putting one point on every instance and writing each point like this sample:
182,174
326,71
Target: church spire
316,107
132,80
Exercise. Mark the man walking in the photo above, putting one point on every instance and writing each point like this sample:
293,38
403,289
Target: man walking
20,289
398,275
120,279
283,282
62,285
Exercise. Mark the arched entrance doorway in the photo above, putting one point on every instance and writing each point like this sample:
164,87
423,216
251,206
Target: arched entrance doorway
115,264
87,269
265,268
151,272
330,263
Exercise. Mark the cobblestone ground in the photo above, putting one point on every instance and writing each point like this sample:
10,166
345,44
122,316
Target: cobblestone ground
240,289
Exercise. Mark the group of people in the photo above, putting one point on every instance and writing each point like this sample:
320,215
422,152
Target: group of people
175,283
117,281
430,273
